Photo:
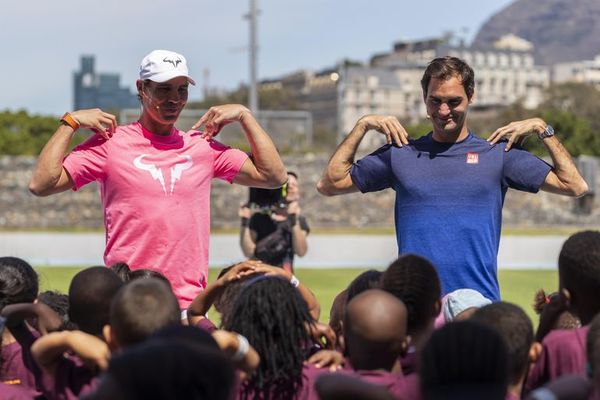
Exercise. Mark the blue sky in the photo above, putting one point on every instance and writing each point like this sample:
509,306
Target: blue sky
42,40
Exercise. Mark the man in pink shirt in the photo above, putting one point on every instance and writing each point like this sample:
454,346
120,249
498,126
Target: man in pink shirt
155,179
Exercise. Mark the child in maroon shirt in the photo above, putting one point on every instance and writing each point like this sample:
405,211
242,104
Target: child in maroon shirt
18,284
464,360
272,314
136,311
563,351
414,280
375,337
515,327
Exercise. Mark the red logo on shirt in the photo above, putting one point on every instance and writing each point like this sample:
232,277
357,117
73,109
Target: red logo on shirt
472,158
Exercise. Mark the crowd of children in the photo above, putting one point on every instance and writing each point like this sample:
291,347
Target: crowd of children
120,334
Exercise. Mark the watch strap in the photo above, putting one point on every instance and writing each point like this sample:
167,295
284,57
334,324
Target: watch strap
547,132
68,119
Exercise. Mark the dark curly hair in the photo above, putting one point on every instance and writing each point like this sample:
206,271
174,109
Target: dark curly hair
274,318
18,282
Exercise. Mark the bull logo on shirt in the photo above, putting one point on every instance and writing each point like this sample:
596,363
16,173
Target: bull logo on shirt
183,163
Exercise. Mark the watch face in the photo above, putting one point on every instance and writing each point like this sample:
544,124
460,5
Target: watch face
549,131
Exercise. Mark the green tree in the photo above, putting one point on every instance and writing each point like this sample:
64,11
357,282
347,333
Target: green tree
24,134
571,108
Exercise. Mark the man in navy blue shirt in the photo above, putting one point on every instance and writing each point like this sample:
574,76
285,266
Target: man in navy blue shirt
450,184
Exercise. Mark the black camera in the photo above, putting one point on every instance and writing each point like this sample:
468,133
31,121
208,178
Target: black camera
267,198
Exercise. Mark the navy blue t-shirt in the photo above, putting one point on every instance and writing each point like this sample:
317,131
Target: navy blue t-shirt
449,199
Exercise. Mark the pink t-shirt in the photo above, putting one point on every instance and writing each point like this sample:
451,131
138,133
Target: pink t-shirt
155,192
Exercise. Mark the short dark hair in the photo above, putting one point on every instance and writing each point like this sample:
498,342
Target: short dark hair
141,308
414,280
515,327
145,273
370,279
465,360
18,282
122,270
447,67
90,294
172,369
579,261
59,303
126,274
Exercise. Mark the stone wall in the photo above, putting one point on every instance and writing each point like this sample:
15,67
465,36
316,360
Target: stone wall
82,210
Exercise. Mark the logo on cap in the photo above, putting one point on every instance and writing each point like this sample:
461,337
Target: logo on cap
174,62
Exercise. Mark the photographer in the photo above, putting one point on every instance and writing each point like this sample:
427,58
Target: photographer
272,229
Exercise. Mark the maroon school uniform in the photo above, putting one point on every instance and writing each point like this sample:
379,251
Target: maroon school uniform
71,380
563,353
394,383
409,361
206,325
310,373
18,366
412,388
14,392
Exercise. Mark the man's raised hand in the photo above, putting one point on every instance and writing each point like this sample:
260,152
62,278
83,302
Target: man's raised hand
97,120
517,131
217,117
388,125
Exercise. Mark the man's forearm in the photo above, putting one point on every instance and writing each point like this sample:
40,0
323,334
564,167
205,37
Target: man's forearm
246,243
565,169
49,166
299,243
265,156
335,178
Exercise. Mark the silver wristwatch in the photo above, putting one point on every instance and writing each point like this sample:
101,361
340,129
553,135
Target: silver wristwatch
549,131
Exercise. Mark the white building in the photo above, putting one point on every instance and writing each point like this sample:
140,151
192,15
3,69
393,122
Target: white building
587,71
504,74
391,84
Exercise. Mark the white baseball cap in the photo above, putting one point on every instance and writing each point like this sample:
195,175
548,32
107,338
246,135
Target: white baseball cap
458,301
163,65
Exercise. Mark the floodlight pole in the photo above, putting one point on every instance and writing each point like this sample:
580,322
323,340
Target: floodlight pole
253,50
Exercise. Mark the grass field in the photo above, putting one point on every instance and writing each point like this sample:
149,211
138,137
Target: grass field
516,286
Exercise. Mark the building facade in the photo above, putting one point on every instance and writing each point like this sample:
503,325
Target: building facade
99,90
587,71
390,83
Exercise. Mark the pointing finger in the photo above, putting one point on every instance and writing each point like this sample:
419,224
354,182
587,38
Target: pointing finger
202,119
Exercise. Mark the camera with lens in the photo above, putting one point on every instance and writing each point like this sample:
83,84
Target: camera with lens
267,199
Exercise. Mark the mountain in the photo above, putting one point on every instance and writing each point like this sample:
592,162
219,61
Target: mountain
561,30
